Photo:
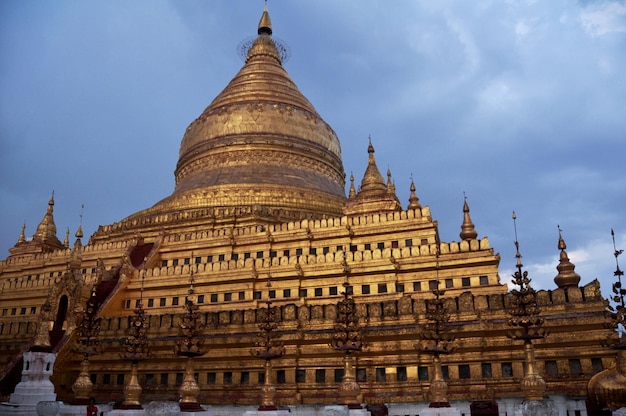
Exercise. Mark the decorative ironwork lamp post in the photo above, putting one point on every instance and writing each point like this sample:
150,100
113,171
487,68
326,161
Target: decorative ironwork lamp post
347,338
267,347
436,341
437,338
87,344
190,346
135,348
528,326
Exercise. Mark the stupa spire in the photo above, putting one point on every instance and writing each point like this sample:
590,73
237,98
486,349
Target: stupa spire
352,193
47,230
414,202
391,188
373,181
467,228
44,240
265,24
566,277
76,256
374,194
22,236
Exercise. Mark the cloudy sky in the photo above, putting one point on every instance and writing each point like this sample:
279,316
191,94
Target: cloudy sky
521,105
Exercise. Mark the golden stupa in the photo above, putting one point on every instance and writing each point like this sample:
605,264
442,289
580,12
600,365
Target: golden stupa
259,153
259,214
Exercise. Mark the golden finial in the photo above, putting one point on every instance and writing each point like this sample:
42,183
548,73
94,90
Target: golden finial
414,202
391,188
373,181
265,24
352,193
22,236
79,231
467,228
264,45
561,245
566,276
47,230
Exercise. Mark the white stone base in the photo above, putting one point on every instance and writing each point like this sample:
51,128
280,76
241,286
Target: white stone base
440,411
127,412
81,410
266,413
205,413
10,409
342,410
28,409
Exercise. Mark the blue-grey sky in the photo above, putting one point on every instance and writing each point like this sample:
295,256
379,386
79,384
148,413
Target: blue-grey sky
521,105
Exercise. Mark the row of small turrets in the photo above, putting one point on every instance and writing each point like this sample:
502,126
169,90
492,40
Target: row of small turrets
374,195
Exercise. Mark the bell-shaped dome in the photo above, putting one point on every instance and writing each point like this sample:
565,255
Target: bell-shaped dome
260,143
608,388
259,153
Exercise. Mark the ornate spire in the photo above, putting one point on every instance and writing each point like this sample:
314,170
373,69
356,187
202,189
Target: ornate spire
76,256
44,240
391,188
373,195
373,181
265,24
414,202
46,230
352,193
264,46
22,237
66,241
566,277
467,228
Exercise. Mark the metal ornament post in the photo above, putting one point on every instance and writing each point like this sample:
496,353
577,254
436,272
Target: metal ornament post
190,345
525,319
347,338
135,349
436,341
267,347
87,344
